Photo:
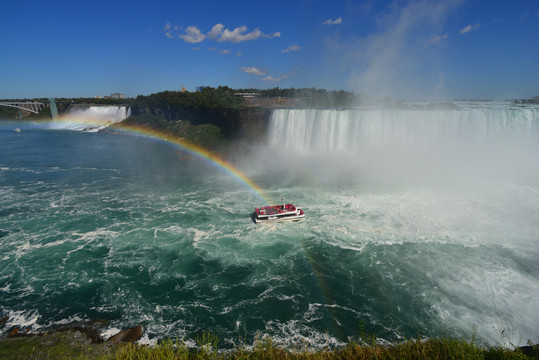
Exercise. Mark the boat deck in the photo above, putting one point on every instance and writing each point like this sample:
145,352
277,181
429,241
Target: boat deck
275,209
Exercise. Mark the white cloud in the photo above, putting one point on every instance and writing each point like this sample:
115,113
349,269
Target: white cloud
192,35
438,38
237,35
469,28
216,31
272,79
333,22
252,70
294,47
169,30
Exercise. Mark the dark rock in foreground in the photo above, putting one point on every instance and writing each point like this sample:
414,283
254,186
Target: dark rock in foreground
129,335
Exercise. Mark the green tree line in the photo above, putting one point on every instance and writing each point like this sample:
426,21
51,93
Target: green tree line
217,98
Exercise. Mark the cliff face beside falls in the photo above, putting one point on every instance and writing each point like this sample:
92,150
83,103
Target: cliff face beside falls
248,124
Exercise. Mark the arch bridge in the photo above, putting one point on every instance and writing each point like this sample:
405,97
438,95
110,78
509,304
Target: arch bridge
31,106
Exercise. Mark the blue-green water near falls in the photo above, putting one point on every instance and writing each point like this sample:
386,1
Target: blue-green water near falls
417,221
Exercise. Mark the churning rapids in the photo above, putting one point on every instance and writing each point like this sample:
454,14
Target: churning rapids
419,220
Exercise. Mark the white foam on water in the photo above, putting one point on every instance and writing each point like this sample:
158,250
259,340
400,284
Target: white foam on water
22,319
296,336
6,287
461,179
198,235
109,332
145,340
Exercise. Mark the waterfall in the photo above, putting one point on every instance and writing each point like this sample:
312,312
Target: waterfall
326,131
93,118
110,114
485,140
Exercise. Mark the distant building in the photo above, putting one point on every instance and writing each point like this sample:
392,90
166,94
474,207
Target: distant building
117,96
200,88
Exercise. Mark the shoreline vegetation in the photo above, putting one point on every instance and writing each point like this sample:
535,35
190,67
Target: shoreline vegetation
85,343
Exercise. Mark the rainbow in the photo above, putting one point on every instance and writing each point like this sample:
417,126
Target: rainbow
148,133
216,161
197,151
227,167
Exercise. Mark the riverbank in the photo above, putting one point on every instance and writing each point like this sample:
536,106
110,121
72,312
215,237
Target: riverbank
76,343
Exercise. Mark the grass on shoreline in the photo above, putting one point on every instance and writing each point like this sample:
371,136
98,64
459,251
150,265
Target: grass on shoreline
75,345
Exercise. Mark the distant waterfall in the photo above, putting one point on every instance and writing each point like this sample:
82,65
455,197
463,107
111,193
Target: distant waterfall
327,131
93,118
111,114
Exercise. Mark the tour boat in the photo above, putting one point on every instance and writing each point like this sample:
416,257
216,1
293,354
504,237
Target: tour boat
277,213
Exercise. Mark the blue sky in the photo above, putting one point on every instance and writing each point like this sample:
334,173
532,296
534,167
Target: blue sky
403,49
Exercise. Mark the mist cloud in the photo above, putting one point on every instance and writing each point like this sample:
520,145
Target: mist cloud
397,61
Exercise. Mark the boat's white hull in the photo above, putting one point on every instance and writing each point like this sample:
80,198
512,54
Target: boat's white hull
277,213
275,219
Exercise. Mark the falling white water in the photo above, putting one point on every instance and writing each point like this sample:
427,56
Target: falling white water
322,131
478,140
93,118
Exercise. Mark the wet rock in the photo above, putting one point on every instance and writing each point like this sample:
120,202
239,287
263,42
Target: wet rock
530,350
129,335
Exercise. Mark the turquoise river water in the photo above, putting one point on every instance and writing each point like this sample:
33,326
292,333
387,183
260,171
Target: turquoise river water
418,221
